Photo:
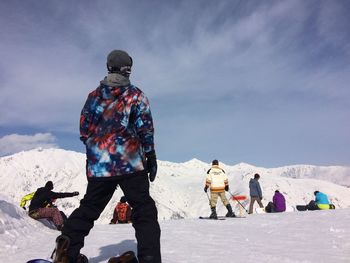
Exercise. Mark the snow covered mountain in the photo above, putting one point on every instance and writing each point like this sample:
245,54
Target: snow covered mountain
178,188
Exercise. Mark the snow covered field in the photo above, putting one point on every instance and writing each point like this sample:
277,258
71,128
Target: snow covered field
318,236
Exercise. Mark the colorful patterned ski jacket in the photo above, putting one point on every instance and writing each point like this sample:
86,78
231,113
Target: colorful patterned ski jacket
117,128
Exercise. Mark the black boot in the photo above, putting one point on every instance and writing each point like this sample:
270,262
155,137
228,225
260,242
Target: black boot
230,213
82,259
213,214
59,255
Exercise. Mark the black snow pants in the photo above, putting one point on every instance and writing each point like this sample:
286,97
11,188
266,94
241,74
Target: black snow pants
312,206
144,216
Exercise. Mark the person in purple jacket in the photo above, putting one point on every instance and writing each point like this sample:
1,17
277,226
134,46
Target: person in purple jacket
278,203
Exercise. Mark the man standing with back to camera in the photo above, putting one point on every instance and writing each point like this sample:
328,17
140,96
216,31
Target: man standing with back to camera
116,127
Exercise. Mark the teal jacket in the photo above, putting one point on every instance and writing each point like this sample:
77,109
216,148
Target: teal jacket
321,199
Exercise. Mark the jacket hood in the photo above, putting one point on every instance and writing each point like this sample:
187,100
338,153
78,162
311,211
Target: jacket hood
109,92
115,80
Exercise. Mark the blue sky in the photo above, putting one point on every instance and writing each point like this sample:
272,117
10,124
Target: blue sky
262,82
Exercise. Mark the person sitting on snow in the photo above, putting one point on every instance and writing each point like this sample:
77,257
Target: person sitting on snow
122,212
320,203
278,203
218,182
41,205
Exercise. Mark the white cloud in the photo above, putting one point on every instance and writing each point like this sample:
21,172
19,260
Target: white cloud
13,143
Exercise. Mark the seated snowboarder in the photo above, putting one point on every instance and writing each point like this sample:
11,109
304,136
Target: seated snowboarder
122,212
218,182
320,203
255,193
278,203
41,205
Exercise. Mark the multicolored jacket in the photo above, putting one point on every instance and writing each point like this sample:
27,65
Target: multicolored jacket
117,128
216,179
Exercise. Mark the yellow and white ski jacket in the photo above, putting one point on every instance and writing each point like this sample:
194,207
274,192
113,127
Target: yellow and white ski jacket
216,179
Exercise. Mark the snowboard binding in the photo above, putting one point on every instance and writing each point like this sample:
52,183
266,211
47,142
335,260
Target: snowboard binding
127,257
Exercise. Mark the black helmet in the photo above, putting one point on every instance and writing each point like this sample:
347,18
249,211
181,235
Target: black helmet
123,199
49,185
215,162
118,61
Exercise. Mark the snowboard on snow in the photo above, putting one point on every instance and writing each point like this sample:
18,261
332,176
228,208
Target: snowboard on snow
207,217
39,260
260,210
301,207
304,207
219,217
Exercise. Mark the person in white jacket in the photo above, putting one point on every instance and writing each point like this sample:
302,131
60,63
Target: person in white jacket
217,181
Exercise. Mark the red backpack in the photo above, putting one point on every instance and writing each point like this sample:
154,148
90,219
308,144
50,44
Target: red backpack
124,212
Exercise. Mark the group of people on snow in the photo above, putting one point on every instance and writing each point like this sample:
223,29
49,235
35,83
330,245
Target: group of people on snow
217,182
116,127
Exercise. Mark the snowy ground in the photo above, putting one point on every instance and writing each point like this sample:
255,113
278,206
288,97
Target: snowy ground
319,236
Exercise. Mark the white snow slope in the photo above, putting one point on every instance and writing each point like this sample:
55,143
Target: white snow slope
312,236
319,236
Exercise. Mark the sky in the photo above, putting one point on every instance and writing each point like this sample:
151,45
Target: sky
261,82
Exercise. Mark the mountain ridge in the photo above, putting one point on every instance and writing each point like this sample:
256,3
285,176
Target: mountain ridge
178,188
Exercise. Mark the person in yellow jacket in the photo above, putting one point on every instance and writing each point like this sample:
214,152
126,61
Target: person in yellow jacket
29,197
217,181
25,199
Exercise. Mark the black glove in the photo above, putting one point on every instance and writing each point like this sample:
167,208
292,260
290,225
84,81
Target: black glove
83,139
151,165
206,189
226,188
75,193
24,207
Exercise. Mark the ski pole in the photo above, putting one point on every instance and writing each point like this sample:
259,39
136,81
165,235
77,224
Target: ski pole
208,197
238,201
